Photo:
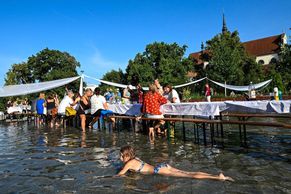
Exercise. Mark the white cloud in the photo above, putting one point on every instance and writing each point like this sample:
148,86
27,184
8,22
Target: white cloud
97,60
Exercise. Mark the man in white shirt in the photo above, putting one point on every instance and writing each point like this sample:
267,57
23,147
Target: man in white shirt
66,102
99,107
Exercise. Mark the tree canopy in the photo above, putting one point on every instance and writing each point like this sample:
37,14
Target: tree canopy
113,76
159,60
228,60
46,65
284,66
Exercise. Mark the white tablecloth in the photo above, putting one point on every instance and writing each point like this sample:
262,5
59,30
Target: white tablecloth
264,106
126,109
14,109
204,109
209,109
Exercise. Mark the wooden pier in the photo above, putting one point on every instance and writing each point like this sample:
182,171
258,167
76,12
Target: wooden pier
210,129
216,126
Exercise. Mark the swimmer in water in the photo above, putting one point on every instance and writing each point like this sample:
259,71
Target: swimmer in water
132,163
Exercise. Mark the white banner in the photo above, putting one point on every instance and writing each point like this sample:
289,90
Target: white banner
23,89
241,88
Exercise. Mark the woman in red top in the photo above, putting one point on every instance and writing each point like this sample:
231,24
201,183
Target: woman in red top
151,107
207,92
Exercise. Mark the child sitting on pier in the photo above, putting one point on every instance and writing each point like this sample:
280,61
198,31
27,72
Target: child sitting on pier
133,163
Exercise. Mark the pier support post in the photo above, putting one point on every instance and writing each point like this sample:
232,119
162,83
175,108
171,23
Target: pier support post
184,129
204,134
245,132
240,133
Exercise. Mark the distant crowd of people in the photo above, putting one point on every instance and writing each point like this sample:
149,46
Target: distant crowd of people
50,108
92,102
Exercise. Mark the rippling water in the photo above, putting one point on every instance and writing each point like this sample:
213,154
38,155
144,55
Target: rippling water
42,160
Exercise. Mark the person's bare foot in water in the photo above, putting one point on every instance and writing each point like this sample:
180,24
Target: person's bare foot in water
225,178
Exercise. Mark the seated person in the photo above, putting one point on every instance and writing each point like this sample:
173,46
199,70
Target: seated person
99,107
171,94
67,101
151,108
108,95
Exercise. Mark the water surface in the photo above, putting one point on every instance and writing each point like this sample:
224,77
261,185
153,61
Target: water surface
43,160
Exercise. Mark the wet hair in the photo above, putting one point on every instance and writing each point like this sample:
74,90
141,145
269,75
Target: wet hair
128,151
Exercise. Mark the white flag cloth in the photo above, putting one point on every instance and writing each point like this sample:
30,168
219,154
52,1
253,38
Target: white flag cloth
23,89
241,88
145,88
186,84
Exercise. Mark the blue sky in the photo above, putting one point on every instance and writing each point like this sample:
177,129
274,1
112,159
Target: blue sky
105,34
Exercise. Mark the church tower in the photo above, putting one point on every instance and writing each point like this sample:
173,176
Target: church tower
224,28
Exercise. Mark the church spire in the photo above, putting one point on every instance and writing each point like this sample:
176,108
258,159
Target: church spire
224,28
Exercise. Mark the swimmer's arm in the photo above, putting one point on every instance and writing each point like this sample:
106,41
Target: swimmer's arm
124,170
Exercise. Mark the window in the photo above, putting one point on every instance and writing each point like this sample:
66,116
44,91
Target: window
261,62
273,60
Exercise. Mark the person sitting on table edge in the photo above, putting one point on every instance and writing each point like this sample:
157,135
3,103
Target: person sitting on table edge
99,107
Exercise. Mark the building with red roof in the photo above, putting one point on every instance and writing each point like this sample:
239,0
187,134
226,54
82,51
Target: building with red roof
265,50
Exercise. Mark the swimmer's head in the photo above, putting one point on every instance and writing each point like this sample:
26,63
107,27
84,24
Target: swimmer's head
127,153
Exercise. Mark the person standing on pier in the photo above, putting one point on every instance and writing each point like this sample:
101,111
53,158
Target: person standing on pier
84,106
140,93
207,91
52,103
40,108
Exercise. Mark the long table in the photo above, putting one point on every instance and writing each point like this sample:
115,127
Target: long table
209,109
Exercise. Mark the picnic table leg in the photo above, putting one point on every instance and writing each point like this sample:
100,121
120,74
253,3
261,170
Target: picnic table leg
184,130
245,132
197,133
221,127
212,134
240,133
194,130
204,134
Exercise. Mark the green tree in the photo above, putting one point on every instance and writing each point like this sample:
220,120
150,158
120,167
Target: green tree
52,64
113,76
253,72
46,65
160,60
19,74
228,60
272,73
283,66
226,55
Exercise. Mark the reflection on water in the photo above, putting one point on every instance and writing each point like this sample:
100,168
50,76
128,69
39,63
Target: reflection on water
68,161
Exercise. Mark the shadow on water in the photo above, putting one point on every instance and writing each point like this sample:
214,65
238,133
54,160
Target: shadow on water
34,160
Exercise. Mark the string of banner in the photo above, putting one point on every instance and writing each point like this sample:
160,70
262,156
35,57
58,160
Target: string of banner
224,85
